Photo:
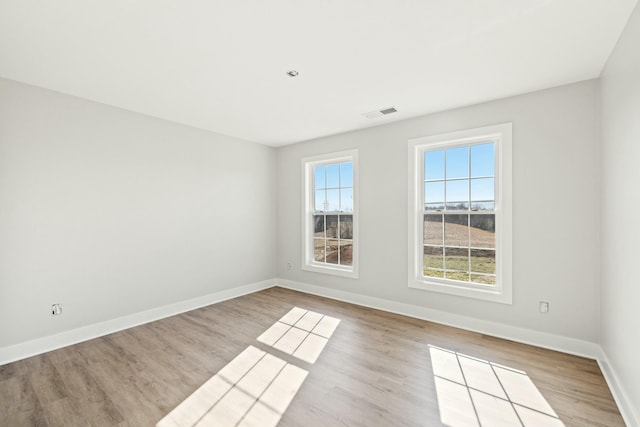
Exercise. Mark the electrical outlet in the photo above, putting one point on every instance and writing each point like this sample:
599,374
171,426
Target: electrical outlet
56,309
288,266
544,307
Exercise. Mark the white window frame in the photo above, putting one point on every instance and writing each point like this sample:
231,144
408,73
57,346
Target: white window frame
308,262
501,134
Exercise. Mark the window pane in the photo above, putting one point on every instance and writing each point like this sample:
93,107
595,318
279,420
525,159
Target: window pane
319,205
318,250
482,160
332,251
346,174
456,230
462,276
346,199
346,227
456,259
428,272
433,229
483,231
483,206
482,279
458,194
332,225
333,201
434,164
434,192
318,226
483,261
457,162
433,257
434,207
482,189
346,252
319,176
333,176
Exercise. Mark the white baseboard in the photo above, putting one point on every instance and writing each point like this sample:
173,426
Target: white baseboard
500,330
41,345
628,411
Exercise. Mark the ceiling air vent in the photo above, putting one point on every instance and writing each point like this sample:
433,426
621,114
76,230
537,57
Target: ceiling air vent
381,112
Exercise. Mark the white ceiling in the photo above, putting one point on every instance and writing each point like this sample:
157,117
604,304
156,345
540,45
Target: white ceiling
221,65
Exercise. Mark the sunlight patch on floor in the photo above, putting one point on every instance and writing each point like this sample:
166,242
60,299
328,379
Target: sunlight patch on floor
301,333
256,388
474,392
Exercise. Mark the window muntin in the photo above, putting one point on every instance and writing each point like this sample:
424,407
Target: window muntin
460,213
330,214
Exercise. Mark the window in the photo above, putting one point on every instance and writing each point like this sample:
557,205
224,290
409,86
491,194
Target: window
460,213
330,214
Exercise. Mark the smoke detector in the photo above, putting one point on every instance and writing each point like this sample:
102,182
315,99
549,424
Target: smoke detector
380,112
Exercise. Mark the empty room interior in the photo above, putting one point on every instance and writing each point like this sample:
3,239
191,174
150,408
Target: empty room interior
286,213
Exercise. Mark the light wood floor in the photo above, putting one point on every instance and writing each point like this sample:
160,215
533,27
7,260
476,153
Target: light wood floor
375,370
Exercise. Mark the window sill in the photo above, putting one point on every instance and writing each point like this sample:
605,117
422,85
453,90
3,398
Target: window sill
335,271
493,295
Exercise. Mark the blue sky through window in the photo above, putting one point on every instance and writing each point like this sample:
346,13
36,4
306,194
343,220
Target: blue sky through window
346,174
482,160
333,185
458,191
319,174
333,176
460,175
482,189
457,161
434,164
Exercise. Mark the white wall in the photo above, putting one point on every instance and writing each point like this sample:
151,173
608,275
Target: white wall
620,136
111,213
555,208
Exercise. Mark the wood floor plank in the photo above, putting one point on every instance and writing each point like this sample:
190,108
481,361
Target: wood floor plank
375,370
